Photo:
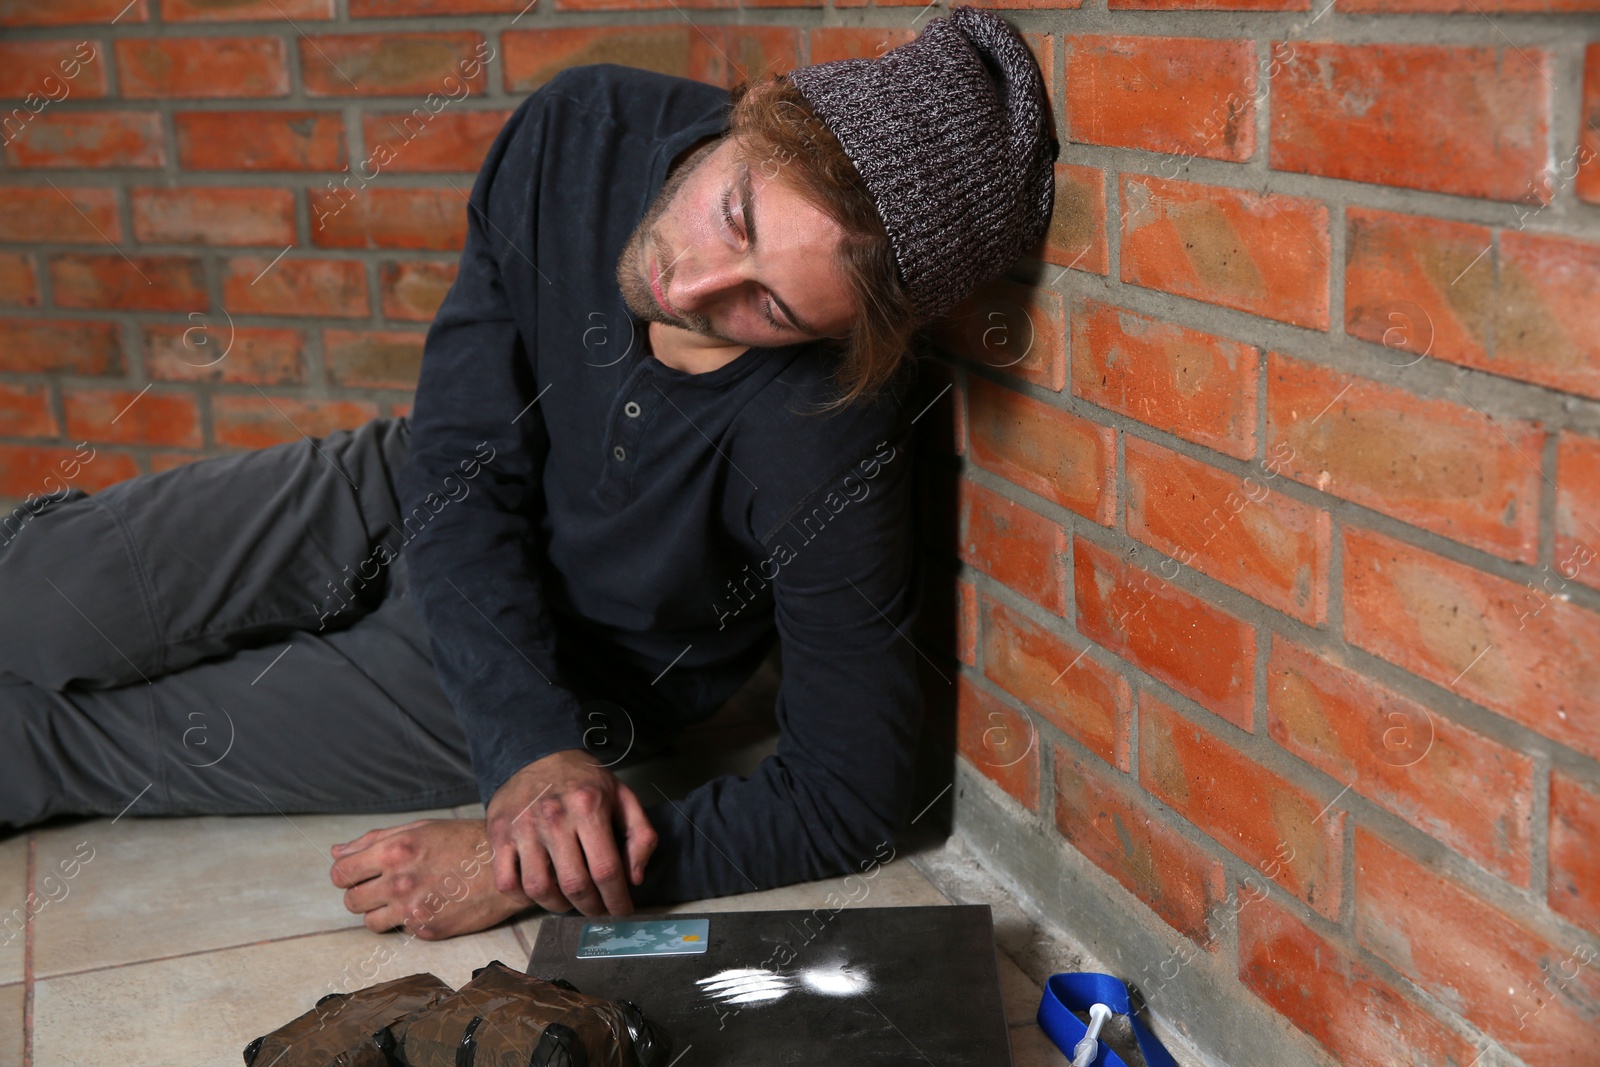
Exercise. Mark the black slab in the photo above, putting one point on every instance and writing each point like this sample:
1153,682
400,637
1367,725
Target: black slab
934,993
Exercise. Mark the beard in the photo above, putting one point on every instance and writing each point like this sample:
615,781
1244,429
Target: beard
633,265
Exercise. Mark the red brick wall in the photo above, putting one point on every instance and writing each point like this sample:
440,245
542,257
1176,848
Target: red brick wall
1271,483
1276,479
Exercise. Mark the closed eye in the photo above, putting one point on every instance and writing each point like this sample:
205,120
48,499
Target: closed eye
727,216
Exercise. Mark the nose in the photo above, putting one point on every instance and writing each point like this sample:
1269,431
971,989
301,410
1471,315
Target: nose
700,280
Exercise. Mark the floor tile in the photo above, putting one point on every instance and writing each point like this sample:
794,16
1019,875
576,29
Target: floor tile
13,906
1031,1048
1020,993
11,1029
158,887
204,1009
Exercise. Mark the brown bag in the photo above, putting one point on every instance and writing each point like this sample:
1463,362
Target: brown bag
503,1018
348,1029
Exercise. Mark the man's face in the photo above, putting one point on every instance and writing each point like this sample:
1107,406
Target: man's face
721,278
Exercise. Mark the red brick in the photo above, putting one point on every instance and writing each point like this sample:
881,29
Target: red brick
45,346
165,67
208,215
1481,7
1350,111
1418,285
1489,966
1547,323
723,55
1427,286
71,12
533,57
260,140
1587,156
1574,863
138,283
1000,743
1201,651
1436,464
1578,509
431,219
1199,387
1193,95
379,9
1209,5
203,351
1085,700
90,139
61,215
1043,48
1098,813
1511,647
967,622
1263,254
1329,994
334,287
1077,234
382,359
19,285
638,5
1019,329
1064,458
54,70
1233,529
856,42
414,290
25,411
1460,787
34,470
1259,816
997,5
251,422
243,10
1014,546
389,64
133,417
418,141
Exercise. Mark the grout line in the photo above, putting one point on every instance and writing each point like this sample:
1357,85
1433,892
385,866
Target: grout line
201,952
27,955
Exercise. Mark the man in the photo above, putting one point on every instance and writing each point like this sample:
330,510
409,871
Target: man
659,428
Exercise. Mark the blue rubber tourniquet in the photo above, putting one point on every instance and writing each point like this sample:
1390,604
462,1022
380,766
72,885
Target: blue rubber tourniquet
1064,993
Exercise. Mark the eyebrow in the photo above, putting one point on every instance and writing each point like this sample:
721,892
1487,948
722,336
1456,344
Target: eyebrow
745,196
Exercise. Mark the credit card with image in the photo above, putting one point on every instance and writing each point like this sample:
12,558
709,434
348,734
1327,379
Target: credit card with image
644,937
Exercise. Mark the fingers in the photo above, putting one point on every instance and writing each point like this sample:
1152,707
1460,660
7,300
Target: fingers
355,868
539,880
639,835
370,836
604,865
382,920
504,847
369,895
572,872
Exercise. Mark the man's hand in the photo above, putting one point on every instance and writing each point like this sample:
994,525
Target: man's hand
554,826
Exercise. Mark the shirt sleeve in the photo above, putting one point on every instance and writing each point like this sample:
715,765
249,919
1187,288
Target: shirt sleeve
472,488
849,707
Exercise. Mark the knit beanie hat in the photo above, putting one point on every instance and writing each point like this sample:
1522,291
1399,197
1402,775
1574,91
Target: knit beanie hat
953,138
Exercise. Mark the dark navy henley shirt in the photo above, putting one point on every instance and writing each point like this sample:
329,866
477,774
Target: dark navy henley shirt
681,520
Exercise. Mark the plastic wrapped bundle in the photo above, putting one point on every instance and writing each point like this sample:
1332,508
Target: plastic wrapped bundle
348,1029
503,1018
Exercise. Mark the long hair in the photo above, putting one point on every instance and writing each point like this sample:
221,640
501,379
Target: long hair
780,135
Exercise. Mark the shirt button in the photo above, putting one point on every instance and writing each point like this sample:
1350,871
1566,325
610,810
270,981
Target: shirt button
631,409
619,452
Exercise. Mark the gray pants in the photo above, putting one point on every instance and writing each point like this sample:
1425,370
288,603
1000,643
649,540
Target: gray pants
163,645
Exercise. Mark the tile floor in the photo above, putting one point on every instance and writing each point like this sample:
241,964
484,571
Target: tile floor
177,941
